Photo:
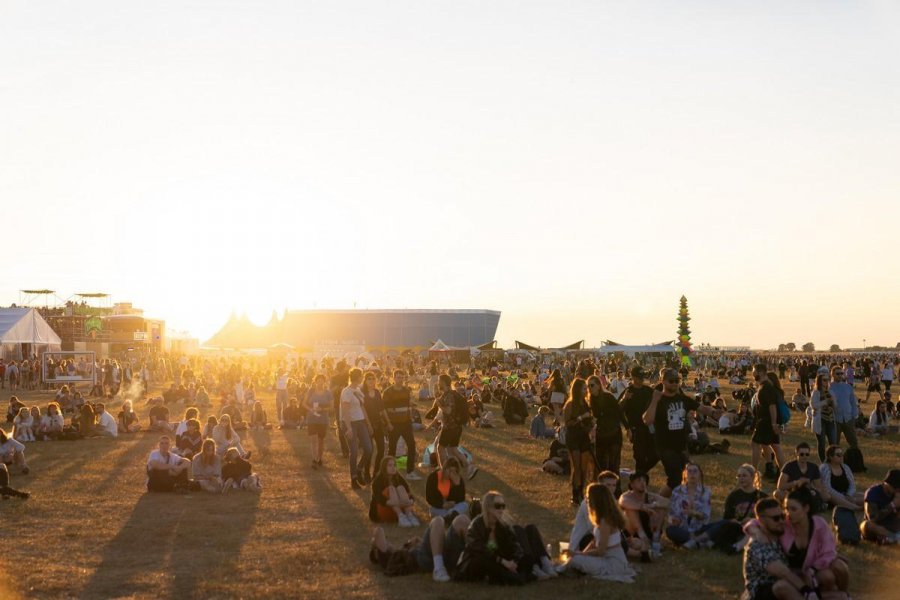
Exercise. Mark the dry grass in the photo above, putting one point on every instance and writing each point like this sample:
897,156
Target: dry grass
90,531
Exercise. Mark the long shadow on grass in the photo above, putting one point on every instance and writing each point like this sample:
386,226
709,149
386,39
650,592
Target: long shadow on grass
171,542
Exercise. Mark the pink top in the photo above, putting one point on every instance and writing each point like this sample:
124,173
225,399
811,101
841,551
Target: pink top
821,550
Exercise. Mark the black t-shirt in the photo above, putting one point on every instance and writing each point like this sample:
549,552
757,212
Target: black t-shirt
739,504
455,410
671,421
607,413
634,403
768,396
792,470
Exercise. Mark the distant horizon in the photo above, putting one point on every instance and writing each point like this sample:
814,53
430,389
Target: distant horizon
508,342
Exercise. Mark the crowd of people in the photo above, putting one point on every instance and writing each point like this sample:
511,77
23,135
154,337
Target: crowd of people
585,409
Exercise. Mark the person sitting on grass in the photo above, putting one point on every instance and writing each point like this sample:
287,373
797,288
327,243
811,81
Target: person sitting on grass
392,501
258,419
645,514
166,471
539,428
291,414
159,417
237,473
128,419
106,425
211,423
233,411
5,490
226,437
52,423
86,420
739,505
808,543
437,551
689,508
206,467
879,420
500,551
192,412
12,410
604,557
445,490
190,443
23,429
882,509
837,480
12,452
802,473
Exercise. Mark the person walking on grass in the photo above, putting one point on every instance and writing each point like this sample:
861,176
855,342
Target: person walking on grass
397,403
356,428
765,413
454,413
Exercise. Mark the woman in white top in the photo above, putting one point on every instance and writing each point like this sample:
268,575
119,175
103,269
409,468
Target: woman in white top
226,437
23,426
879,420
603,558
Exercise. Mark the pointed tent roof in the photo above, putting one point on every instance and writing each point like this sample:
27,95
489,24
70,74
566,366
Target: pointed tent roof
439,346
25,326
575,346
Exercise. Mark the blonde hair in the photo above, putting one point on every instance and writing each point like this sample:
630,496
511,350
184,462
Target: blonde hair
487,503
751,470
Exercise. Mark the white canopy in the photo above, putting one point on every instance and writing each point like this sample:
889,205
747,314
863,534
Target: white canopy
25,326
631,350
439,346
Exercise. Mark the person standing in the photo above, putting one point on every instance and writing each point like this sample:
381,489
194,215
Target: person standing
633,402
846,408
375,413
803,373
397,403
337,385
608,429
765,413
281,394
668,414
356,428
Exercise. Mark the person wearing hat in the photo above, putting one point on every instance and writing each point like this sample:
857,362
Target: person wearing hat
633,402
882,509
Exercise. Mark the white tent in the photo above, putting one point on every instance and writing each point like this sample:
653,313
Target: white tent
440,346
25,326
632,350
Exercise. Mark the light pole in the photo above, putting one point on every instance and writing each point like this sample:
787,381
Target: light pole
864,343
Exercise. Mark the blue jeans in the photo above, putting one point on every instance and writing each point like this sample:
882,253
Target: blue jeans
461,508
361,439
829,432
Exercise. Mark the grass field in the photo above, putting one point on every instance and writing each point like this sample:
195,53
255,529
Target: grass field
90,531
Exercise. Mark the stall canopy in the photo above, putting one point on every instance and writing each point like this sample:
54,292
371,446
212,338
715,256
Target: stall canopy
25,326
523,346
613,347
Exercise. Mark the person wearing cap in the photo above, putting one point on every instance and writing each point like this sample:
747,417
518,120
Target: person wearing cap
882,510
668,413
645,512
633,402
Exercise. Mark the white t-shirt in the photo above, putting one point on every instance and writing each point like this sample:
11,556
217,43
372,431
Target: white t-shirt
281,383
351,404
108,423
156,455
582,526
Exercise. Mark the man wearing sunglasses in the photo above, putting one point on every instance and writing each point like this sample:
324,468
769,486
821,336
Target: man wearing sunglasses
667,414
766,572
798,473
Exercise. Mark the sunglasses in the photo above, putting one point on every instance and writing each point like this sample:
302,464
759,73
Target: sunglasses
499,506
803,454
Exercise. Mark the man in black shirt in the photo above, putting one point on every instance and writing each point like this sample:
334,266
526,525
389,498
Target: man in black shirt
668,414
608,433
633,403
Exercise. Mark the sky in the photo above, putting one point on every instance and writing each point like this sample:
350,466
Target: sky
576,165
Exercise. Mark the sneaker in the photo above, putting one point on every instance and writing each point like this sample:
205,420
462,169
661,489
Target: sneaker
656,547
440,575
548,568
539,573
403,521
691,544
471,472
413,476
414,520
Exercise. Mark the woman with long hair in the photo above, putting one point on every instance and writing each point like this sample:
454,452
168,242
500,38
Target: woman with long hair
837,480
500,551
689,508
318,404
392,500
206,468
820,415
604,557
226,437
578,421
556,385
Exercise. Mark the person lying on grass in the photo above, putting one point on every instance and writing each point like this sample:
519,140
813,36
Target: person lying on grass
206,468
237,473
437,551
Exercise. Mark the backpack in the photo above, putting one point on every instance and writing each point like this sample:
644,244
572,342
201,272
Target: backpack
783,410
853,458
